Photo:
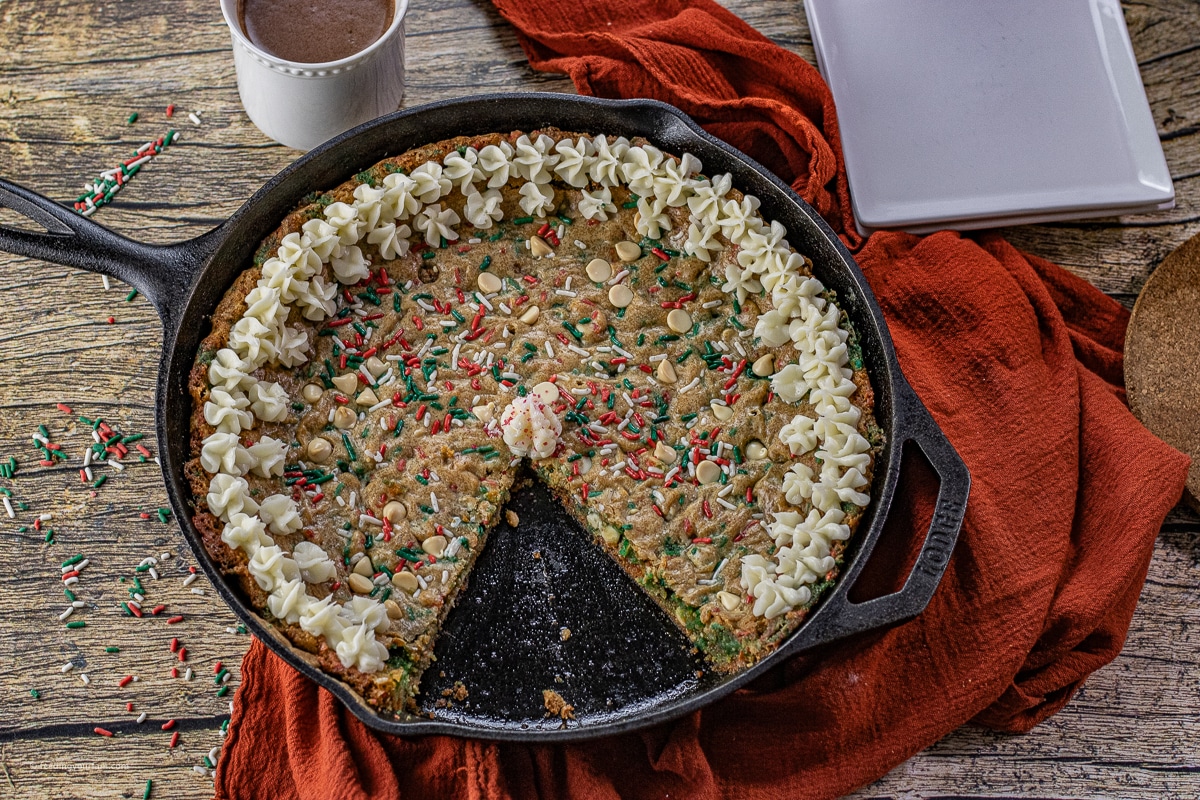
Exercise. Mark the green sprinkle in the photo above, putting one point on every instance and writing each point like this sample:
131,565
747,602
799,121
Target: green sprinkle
146,791
132,118
224,690
571,329
77,624
350,451
129,298
428,254
487,262
75,559
35,694
112,649
220,676
70,595
99,481
522,220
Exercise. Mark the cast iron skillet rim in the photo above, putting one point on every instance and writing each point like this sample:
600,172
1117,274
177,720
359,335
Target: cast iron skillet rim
890,384
172,276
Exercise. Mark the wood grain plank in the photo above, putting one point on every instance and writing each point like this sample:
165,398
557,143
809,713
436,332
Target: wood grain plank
83,67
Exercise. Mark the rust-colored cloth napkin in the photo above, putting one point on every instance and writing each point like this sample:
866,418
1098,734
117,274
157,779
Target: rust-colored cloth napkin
1019,362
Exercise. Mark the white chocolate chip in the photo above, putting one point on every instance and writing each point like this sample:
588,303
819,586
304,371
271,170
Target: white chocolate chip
312,393
620,295
531,315
363,567
546,392
598,270
485,413
393,608
679,320
489,283
405,581
708,472
375,366
344,418
666,371
319,450
720,411
664,452
367,397
346,384
764,366
628,251
729,601
359,584
394,511
539,247
434,545
756,450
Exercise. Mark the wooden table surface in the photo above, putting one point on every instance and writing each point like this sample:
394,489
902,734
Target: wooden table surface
70,75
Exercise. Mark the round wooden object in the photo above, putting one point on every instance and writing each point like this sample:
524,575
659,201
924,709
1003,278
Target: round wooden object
1162,357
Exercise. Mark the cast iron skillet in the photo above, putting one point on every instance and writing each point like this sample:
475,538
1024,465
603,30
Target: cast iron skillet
625,665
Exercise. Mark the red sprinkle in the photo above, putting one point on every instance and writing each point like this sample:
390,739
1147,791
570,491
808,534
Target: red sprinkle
183,654
168,725
102,731
63,407
174,739
174,619
128,679
174,645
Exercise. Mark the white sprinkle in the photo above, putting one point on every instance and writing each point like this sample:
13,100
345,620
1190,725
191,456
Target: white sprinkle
474,240
725,492
330,416
117,465
190,579
711,304
70,610
623,351
8,507
567,285
142,717
746,333
67,667
549,349
86,680
71,581
562,231
380,405
580,245
148,560
87,457
37,437
88,471
658,357
195,119
187,676
692,384
433,502
505,308
78,603
367,518
565,293
198,591
153,573
620,276
727,504
578,350
483,300
199,770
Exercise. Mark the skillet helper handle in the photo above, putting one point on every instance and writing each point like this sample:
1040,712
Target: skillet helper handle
162,273
850,618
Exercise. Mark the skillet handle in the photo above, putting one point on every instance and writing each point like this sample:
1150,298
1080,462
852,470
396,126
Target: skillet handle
844,618
163,273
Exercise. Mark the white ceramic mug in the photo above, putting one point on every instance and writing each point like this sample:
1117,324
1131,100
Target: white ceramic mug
301,105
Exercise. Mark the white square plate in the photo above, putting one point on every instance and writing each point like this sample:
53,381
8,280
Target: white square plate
972,114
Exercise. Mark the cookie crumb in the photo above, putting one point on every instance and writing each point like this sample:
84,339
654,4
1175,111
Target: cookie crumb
556,706
564,633
511,517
